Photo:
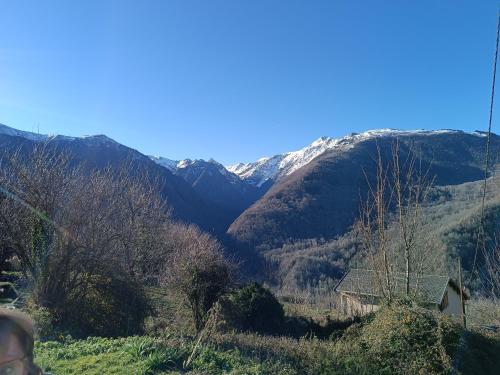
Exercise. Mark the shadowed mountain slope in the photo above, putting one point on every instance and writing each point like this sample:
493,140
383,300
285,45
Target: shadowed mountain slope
322,199
100,152
215,183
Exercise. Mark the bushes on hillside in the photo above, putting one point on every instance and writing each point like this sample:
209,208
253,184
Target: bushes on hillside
400,340
117,307
253,308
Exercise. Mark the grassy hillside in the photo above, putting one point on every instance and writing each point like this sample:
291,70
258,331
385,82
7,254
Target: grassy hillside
398,340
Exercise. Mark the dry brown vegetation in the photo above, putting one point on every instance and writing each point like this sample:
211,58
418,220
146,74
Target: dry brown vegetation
196,270
88,242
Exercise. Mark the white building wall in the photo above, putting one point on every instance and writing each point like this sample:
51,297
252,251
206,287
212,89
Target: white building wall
353,307
454,304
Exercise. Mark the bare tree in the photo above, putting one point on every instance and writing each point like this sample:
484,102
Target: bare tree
197,270
77,232
373,228
35,189
491,284
138,217
411,188
391,225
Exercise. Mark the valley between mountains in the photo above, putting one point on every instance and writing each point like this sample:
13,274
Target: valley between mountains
292,214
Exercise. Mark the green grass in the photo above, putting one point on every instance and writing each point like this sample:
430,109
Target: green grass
396,340
147,355
131,355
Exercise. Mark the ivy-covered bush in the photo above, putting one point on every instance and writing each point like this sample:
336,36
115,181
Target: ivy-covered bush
399,339
253,308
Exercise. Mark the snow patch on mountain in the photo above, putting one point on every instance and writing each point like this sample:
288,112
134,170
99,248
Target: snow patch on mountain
278,166
35,137
176,166
170,164
96,139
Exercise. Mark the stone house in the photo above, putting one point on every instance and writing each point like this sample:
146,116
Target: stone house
360,292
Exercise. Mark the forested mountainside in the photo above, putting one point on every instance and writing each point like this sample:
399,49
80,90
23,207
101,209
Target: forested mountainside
322,199
450,223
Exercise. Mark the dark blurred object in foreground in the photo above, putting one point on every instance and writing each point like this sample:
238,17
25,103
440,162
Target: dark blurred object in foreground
16,344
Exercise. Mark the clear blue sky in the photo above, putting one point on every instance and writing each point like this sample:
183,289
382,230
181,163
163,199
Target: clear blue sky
236,80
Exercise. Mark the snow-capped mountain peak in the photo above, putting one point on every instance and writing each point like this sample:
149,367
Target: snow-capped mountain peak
275,167
272,168
174,165
196,166
170,164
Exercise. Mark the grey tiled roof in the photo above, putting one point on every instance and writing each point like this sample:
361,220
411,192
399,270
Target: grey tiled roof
430,288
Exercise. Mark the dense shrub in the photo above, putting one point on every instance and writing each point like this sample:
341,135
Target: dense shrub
297,327
118,307
253,308
44,320
480,354
401,340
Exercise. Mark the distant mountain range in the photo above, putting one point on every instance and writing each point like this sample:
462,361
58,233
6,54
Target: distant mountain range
315,192
268,170
311,193
281,165
100,151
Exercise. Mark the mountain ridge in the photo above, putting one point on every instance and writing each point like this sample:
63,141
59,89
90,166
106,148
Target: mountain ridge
322,198
280,165
272,168
101,152
300,186
37,137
